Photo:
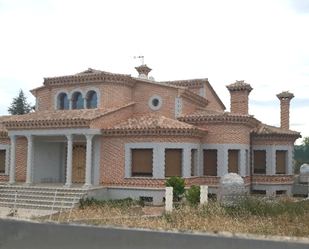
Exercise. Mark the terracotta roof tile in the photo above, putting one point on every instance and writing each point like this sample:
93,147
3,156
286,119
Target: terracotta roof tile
204,112
58,117
264,129
151,121
3,130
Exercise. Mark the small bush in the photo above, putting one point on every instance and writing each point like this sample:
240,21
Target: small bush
178,185
120,203
193,194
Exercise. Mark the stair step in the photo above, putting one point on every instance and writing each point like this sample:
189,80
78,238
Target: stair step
12,199
19,196
34,206
34,197
19,192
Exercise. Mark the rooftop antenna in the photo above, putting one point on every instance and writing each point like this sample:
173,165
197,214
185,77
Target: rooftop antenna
139,57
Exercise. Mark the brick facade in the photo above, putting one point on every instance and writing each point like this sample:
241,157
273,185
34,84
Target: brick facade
139,111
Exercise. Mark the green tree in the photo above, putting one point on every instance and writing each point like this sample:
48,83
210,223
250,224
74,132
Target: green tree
305,141
301,154
19,105
178,185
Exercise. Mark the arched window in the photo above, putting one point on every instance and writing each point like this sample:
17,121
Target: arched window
92,100
64,101
78,102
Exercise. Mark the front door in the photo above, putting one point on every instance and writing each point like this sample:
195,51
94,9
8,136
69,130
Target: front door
79,163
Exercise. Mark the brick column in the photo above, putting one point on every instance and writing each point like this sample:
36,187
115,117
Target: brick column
88,161
13,159
69,161
29,160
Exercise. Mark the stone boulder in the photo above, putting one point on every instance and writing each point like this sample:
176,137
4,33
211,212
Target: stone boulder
231,189
303,173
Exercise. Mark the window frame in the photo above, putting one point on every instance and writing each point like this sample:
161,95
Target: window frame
5,148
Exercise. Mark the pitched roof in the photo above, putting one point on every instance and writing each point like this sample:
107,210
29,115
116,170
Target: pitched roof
196,83
152,124
89,76
264,129
202,116
58,118
151,121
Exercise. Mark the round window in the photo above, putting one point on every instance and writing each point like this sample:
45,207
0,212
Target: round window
155,102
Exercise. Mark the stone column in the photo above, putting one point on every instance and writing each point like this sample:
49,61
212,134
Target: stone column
169,199
88,161
70,104
85,103
29,160
203,194
242,162
13,160
69,161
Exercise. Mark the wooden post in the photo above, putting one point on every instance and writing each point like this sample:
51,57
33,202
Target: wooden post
204,194
169,199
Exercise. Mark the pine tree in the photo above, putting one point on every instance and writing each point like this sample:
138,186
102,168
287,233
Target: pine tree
19,105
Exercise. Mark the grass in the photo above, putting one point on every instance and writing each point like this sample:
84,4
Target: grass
280,217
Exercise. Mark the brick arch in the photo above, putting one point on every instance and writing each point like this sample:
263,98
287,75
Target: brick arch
93,89
76,90
57,96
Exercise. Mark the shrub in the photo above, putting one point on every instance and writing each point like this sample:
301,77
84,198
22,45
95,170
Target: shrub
120,203
193,194
178,185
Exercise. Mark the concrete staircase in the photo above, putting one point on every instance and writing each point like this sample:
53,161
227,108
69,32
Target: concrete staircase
46,198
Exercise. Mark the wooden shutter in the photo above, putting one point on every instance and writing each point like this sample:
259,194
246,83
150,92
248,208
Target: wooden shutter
259,161
280,161
173,162
233,161
2,161
193,153
210,162
142,162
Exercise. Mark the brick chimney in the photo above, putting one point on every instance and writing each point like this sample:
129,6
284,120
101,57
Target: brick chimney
239,96
143,69
285,98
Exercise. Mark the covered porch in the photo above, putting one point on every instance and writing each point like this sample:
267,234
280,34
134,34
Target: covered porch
65,157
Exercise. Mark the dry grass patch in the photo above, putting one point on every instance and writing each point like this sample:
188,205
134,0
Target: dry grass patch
282,217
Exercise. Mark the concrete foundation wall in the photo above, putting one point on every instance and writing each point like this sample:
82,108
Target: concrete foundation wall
272,189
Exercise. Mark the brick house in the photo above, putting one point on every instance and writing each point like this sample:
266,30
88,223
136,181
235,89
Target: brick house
128,134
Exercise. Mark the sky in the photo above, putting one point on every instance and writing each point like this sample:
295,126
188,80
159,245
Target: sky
264,42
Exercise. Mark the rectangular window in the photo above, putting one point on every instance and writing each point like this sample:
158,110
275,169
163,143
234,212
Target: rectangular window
2,161
259,163
280,161
193,160
142,162
173,162
233,161
210,162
